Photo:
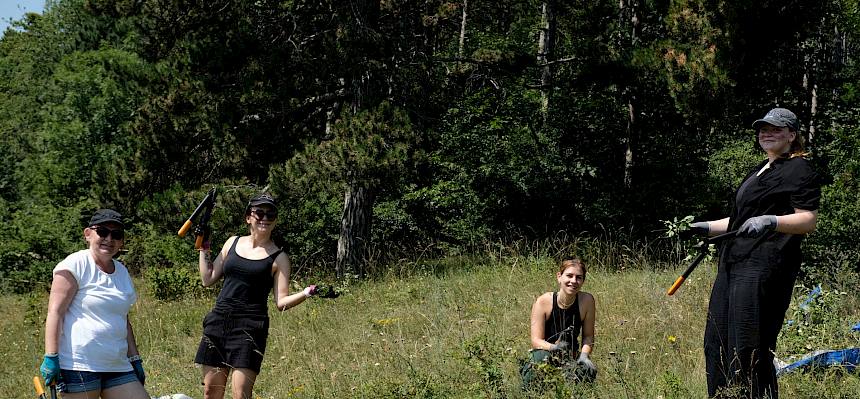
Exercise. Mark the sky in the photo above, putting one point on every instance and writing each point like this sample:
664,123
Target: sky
15,9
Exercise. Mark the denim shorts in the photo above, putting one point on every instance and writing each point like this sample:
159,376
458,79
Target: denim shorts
73,381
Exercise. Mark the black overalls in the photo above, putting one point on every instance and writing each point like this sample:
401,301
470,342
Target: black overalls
754,280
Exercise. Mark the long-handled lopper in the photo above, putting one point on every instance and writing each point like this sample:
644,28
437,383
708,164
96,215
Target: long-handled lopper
702,246
204,211
37,383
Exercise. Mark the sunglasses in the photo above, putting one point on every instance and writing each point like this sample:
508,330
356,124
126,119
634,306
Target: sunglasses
103,232
264,215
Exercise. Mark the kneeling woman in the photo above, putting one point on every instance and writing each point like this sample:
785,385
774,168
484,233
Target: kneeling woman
557,321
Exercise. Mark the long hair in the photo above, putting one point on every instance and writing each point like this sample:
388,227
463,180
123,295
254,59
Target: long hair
798,146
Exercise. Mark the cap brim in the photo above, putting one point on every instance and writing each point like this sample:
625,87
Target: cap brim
770,121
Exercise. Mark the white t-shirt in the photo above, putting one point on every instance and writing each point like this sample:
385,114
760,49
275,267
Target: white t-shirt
94,328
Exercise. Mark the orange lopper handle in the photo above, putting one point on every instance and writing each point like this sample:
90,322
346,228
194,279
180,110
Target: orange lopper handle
37,383
185,228
677,285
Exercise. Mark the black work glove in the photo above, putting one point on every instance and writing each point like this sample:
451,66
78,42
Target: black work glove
757,226
696,229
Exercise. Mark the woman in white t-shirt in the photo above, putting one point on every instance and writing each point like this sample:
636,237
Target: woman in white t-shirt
90,350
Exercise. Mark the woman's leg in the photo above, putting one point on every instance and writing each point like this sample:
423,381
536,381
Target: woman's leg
214,382
243,383
131,390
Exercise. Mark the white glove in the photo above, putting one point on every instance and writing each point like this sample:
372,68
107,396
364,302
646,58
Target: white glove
309,290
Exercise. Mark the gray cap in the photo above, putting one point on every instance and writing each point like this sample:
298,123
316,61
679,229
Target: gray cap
779,117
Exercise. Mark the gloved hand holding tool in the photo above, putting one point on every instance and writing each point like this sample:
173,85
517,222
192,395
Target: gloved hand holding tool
559,346
310,290
585,369
50,368
698,229
756,226
40,392
702,246
202,231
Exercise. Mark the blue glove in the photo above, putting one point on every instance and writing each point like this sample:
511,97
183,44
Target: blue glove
50,368
757,226
137,365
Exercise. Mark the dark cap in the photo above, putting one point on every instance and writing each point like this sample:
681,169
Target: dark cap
106,215
262,199
779,117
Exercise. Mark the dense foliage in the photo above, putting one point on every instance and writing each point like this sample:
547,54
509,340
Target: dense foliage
443,123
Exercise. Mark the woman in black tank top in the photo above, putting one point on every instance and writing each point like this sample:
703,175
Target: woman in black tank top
558,320
235,332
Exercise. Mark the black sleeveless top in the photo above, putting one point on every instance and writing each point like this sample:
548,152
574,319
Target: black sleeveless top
564,324
247,284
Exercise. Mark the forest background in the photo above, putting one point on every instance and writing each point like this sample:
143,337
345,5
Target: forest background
394,130
427,156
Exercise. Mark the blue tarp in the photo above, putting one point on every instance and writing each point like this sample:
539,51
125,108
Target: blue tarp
856,328
845,358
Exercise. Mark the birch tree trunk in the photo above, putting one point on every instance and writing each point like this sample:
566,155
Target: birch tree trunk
625,9
546,48
462,44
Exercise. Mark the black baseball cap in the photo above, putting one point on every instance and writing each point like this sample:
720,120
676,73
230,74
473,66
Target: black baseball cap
106,215
779,117
262,199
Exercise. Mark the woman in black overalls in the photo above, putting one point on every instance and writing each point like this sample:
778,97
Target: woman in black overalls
236,330
775,206
557,321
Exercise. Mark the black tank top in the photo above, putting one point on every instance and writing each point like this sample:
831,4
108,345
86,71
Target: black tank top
247,283
564,324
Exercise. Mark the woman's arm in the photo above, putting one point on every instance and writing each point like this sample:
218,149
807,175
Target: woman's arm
717,227
283,299
63,290
800,222
590,310
211,271
132,343
540,310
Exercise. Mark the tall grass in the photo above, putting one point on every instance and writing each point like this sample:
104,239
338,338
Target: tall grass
452,327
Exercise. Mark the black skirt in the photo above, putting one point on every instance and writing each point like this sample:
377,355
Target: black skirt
232,341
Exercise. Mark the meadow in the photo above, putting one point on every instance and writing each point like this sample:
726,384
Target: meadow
456,327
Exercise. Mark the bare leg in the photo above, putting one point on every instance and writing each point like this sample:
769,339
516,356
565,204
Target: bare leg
214,382
243,383
132,390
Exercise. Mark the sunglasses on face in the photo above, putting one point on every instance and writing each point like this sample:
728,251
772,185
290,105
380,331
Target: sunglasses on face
103,232
264,215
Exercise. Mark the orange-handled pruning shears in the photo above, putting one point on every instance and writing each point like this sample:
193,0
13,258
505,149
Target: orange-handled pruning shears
702,246
37,383
202,230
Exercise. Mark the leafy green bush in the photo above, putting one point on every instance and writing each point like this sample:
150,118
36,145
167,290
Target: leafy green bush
173,283
816,320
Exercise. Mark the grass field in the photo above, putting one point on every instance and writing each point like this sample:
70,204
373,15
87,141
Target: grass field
458,332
